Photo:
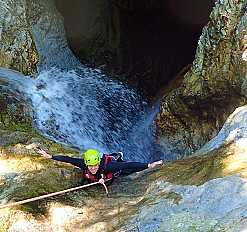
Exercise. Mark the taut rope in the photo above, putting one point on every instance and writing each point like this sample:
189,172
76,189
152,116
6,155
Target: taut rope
49,195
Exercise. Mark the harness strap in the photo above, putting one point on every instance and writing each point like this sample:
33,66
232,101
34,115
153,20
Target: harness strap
107,157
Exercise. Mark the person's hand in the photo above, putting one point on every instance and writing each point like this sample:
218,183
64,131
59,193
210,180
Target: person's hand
44,154
154,164
101,181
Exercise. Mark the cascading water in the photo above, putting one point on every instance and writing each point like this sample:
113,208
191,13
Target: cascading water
80,108
88,110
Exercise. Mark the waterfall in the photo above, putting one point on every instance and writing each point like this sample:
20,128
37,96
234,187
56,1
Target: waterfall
76,105
88,110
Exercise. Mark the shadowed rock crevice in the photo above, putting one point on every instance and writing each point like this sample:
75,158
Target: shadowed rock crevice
193,112
146,42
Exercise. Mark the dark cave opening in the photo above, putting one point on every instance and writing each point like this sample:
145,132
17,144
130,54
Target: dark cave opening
147,42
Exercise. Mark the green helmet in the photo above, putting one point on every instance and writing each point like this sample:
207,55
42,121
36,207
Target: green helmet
91,157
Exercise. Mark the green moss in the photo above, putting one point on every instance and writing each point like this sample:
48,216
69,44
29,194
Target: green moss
31,184
14,115
198,170
35,208
34,175
173,196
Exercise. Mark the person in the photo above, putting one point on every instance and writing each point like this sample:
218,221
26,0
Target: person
101,169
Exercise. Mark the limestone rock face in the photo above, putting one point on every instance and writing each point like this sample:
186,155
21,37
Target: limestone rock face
17,48
198,103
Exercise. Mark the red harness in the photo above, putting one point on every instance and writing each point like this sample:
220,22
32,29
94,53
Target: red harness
89,176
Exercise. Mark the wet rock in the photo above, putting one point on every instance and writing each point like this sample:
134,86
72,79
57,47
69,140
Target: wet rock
15,113
47,28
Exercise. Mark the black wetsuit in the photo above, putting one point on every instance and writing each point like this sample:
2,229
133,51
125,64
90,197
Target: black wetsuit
110,167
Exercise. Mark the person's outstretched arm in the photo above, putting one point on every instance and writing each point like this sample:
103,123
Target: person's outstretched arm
130,166
74,161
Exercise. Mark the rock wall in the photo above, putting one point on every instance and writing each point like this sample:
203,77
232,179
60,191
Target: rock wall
17,48
195,105
28,43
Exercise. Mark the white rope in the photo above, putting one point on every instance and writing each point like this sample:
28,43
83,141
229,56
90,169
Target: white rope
49,195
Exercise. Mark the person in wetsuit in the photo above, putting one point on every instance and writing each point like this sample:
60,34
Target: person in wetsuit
99,169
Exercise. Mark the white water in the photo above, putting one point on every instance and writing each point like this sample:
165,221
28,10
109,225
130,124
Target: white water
88,110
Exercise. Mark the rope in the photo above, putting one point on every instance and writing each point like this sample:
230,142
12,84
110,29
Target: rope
49,195
106,190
